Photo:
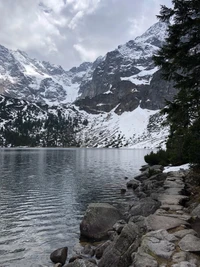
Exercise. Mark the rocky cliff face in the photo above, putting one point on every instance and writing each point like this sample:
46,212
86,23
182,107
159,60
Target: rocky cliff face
121,79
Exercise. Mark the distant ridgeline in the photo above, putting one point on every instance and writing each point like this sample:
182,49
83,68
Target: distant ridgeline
27,124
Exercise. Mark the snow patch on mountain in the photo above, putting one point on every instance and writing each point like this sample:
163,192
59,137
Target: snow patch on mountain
140,128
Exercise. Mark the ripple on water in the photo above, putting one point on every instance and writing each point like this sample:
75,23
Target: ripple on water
44,193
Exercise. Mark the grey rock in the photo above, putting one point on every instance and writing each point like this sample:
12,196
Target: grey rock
133,184
119,225
140,222
88,250
100,249
182,233
118,254
58,265
190,243
156,222
98,220
59,255
141,259
145,207
159,243
184,264
171,199
196,211
179,256
75,257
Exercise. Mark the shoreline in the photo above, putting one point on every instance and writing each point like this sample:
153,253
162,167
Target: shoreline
155,231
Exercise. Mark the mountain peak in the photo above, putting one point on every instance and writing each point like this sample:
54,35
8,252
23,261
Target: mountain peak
156,31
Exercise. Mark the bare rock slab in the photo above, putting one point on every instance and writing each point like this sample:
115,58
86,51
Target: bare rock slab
159,243
171,199
190,243
156,222
98,220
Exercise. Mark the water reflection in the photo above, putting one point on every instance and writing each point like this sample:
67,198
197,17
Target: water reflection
44,193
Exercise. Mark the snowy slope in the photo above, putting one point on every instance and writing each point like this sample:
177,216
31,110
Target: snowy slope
140,128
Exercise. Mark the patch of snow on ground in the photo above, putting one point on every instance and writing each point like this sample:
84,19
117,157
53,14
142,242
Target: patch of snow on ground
176,168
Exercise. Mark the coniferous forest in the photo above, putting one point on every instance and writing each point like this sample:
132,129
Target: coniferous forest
179,60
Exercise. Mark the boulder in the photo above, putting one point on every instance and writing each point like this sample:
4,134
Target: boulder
118,253
59,255
133,184
190,243
98,220
159,243
196,211
145,207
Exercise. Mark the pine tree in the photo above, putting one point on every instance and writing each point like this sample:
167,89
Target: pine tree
179,60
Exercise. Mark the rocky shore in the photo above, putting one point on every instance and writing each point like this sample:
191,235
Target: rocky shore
155,231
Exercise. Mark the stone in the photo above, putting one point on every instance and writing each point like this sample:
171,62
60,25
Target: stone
123,191
80,263
156,222
171,207
190,243
100,249
142,176
59,255
75,257
98,220
184,264
145,207
140,222
88,250
118,253
182,233
118,226
179,256
133,184
172,199
58,265
141,259
160,243
196,211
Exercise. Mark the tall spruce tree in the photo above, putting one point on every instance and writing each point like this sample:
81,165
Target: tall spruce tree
179,60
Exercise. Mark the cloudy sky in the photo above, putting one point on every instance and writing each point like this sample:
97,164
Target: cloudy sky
68,32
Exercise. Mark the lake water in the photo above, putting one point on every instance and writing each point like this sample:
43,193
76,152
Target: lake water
44,194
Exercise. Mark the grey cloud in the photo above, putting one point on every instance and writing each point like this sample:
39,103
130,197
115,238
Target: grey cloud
42,27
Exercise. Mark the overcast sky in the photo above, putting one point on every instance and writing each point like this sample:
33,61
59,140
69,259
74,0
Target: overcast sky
68,32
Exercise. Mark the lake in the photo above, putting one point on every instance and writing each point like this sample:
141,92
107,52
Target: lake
45,192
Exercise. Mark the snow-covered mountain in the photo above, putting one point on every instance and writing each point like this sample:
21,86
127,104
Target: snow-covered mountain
23,123
118,94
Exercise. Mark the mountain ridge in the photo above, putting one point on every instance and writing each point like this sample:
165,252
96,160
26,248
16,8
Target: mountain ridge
121,86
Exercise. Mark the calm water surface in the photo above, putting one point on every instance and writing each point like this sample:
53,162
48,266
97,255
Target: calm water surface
44,193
